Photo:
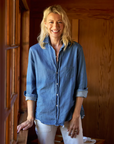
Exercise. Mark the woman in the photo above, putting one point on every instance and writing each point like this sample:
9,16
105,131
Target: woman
56,80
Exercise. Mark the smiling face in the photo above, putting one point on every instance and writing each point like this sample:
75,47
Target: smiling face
54,25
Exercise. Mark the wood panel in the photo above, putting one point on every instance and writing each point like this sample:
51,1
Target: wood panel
97,39
79,9
75,29
82,4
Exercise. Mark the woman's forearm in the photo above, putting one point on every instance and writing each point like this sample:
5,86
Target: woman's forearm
79,102
30,108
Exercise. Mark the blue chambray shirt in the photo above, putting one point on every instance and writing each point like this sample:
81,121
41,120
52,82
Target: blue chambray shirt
55,85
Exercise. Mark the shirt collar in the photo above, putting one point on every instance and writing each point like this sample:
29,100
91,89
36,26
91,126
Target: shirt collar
47,40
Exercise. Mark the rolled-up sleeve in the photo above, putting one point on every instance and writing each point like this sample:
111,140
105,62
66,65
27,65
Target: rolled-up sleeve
81,84
30,92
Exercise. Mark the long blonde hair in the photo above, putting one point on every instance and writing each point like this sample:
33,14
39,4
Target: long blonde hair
66,36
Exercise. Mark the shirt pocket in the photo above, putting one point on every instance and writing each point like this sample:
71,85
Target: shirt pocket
67,72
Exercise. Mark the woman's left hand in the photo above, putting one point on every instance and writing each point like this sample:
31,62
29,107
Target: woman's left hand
73,128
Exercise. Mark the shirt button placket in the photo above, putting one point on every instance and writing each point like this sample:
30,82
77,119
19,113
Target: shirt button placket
57,98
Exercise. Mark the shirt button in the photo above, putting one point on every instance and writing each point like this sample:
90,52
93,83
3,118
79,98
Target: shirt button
56,94
56,83
56,105
56,72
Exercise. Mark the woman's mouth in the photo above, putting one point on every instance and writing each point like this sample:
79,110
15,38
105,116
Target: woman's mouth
55,31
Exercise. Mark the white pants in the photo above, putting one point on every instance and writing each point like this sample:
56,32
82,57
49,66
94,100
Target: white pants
46,133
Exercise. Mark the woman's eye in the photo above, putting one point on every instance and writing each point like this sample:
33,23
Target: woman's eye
60,22
50,22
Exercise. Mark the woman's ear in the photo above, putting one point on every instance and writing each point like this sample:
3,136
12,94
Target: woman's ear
45,23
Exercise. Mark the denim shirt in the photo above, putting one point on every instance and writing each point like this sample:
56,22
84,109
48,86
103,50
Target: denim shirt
55,85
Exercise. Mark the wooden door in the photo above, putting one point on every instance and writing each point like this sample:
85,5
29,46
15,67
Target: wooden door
10,56
12,69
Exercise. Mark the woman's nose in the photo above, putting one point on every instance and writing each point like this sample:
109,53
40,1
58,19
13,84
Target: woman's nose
56,25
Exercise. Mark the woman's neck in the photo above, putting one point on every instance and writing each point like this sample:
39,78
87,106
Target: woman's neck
55,43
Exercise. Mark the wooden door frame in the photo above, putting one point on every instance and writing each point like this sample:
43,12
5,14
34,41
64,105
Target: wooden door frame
2,68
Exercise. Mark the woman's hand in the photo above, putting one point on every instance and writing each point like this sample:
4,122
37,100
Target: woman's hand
30,118
73,128
25,125
74,122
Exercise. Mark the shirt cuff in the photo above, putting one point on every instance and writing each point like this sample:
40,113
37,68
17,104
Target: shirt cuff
82,93
30,96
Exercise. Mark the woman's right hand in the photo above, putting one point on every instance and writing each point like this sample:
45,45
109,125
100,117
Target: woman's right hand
25,125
